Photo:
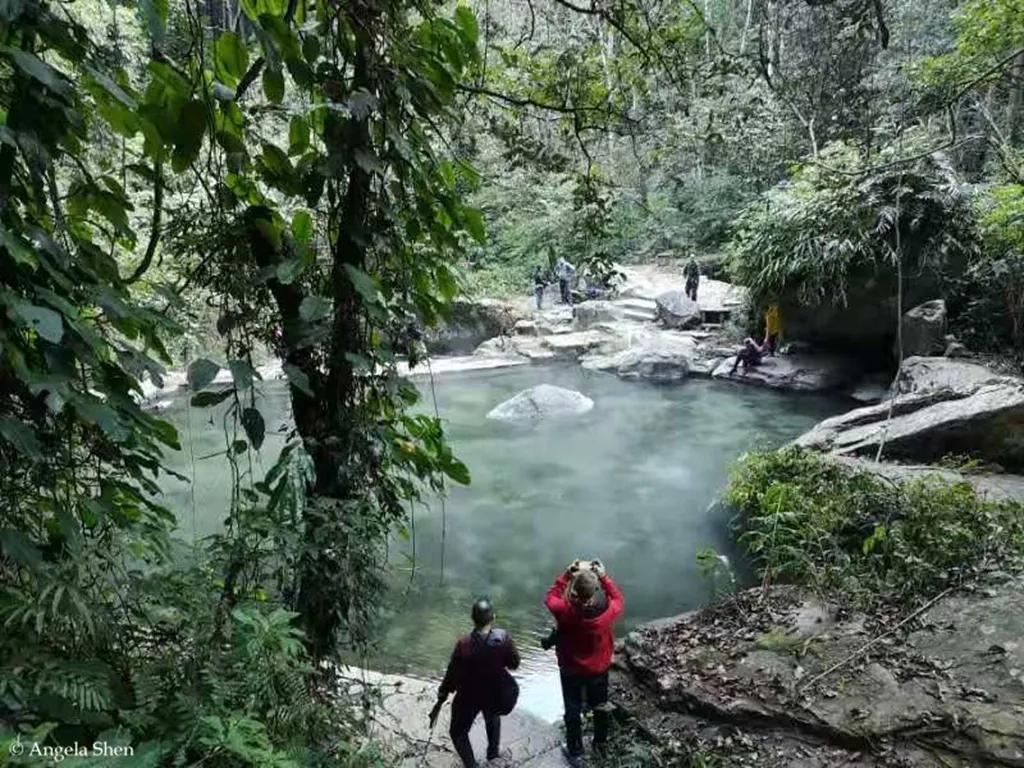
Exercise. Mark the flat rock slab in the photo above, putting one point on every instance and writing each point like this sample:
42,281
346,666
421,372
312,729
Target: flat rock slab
400,720
925,375
988,423
796,372
946,690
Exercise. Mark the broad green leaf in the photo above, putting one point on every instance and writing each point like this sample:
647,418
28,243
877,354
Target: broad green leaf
47,323
20,436
288,271
242,373
17,248
189,134
311,48
273,85
255,429
457,471
209,398
314,308
19,548
467,23
475,225
298,136
302,227
38,70
154,15
364,284
201,372
232,57
298,378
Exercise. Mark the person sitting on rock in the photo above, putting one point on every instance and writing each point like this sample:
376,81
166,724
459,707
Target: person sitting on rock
749,356
585,645
476,675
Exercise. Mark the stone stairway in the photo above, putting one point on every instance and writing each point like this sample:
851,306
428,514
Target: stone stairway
640,310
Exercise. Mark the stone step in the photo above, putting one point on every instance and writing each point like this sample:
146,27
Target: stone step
638,315
637,303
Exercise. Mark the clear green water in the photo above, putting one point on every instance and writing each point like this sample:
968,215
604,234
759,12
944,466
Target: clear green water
633,482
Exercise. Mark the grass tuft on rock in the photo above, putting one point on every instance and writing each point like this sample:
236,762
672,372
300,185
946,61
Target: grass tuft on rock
806,520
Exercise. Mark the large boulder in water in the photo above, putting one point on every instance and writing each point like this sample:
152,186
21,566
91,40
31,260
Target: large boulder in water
545,401
662,357
677,310
924,329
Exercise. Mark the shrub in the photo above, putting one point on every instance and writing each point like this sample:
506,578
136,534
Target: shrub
807,520
826,234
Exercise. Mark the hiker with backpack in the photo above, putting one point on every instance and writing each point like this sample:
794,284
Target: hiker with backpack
584,643
478,675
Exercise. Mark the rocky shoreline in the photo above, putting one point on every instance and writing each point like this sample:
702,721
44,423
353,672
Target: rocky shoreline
779,678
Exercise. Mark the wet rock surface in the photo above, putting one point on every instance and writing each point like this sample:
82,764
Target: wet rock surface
748,679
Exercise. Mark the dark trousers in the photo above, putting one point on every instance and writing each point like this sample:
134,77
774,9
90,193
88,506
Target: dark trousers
691,289
463,715
595,688
538,291
565,290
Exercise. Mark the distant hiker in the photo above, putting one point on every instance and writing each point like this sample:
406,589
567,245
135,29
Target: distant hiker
772,329
692,274
478,676
539,284
585,643
566,274
749,356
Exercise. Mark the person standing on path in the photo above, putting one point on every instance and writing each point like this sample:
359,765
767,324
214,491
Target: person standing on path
539,284
692,274
772,329
585,644
477,675
566,274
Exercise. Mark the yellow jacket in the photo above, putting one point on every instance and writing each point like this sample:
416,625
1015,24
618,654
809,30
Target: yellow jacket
773,321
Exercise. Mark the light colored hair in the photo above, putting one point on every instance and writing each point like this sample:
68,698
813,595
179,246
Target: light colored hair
584,585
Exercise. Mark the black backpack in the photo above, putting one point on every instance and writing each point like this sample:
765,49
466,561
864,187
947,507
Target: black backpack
508,689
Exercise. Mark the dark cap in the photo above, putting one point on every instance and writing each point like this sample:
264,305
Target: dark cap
483,612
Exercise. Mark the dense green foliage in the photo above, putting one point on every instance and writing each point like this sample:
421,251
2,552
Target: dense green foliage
807,520
915,214
330,251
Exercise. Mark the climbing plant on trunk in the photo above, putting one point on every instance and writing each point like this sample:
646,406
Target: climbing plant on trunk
335,248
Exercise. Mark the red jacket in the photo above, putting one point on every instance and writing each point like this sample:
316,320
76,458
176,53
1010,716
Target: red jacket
585,642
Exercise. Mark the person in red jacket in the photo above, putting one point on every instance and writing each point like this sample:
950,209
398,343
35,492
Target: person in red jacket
585,619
